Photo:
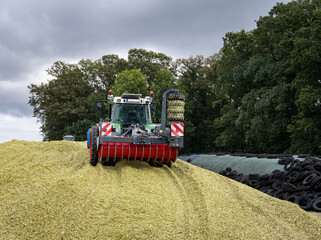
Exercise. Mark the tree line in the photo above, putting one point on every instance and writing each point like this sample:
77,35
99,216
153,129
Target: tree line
260,93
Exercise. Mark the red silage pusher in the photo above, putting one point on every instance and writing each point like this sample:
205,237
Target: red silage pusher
128,151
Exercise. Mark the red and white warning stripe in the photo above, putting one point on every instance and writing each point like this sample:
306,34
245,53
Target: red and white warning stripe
177,129
106,129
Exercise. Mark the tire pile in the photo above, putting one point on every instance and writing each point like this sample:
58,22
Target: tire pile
300,182
175,108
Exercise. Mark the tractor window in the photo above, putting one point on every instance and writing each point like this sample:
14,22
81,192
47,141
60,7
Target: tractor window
128,114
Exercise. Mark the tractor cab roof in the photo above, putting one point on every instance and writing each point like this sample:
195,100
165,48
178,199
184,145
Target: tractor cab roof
131,98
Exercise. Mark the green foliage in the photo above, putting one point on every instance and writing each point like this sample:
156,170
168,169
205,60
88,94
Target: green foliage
269,79
61,101
92,100
164,80
79,129
149,63
197,80
130,81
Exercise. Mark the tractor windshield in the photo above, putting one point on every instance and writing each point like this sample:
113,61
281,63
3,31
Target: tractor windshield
128,114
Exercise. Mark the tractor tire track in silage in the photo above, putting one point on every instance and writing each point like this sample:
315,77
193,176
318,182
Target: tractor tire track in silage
194,202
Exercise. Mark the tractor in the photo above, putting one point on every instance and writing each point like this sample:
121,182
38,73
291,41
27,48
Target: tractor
128,132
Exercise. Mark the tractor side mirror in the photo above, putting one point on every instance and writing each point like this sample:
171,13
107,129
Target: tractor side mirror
153,107
99,107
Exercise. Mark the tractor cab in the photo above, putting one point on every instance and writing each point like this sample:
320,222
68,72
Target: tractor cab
130,109
127,114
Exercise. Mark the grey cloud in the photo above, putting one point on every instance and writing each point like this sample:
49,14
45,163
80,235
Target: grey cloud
34,32
14,98
78,28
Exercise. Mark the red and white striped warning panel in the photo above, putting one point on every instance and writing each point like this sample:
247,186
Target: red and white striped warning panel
106,129
177,129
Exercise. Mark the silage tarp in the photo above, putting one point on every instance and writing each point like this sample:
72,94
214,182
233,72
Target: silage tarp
243,165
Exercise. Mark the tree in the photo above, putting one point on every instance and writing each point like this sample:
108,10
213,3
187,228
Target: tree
61,101
131,81
149,63
197,80
164,80
268,79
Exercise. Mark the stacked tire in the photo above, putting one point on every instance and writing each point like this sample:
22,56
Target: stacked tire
175,107
300,182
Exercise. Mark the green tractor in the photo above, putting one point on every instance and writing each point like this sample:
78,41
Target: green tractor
129,133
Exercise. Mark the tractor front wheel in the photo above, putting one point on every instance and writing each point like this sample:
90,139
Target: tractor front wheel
169,163
93,146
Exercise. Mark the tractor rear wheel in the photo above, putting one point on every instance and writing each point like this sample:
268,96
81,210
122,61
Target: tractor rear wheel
93,146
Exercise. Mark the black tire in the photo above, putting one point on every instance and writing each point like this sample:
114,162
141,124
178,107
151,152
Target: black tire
299,194
303,188
239,177
175,109
309,168
288,187
254,183
309,179
232,174
291,198
175,103
244,179
277,185
316,205
155,164
93,148
315,181
264,178
317,195
285,161
317,166
280,194
306,162
176,96
304,202
289,166
168,164
292,177
317,185
175,117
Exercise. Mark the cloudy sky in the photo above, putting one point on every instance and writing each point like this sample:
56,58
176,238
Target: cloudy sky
36,33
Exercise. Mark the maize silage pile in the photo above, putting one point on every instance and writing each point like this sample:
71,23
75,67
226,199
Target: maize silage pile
48,190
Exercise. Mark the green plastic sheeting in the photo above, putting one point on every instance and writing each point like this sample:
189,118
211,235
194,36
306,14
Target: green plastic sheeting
240,164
